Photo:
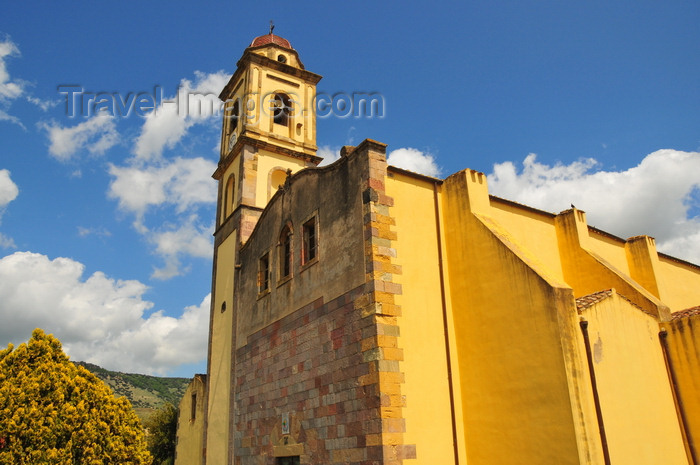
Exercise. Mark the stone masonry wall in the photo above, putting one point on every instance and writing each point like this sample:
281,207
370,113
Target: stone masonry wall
324,382
307,365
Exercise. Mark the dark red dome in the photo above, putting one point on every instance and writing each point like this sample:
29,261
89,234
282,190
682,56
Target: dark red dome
271,39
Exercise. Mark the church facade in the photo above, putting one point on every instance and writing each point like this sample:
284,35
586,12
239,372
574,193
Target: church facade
364,314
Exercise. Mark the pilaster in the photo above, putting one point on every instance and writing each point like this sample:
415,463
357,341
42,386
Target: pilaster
380,345
643,261
587,272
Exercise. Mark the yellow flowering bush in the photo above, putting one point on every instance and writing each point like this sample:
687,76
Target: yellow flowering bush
54,412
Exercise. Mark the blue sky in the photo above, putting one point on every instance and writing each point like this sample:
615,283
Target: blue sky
106,221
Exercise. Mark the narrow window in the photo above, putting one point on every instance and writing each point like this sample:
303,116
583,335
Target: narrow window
309,246
231,117
235,113
285,252
193,413
264,273
229,195
281,109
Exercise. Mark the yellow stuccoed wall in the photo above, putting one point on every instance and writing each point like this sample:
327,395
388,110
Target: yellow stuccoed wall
534,230
232,170
510,318
221,343
679,284
267,162
272,52
590,260
190,434
612,248
638,410
683,335
587,271
513,274
428,407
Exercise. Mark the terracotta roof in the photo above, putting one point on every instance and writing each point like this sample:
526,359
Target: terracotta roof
685,313
271,39
589,300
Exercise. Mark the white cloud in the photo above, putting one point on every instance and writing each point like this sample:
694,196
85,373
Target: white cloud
414,160
168,342
7,242
4,116
148,180
43,104
188,239
98,134
100,232
99,319
329,154
9,89
8,189
8,193
183,182
350,137
654,198
195,103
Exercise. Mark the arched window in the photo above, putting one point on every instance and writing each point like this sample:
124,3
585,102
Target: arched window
281,109
229,194
285,252
235,114
275,180
231,116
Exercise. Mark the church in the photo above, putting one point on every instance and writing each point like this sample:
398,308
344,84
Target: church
363,314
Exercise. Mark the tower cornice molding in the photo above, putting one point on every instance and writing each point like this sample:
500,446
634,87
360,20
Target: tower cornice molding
261,144
251,58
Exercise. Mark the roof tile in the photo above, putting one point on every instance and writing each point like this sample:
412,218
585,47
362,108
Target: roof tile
271,39
688,312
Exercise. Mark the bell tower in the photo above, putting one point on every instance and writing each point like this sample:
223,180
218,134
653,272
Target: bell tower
269,124
269,130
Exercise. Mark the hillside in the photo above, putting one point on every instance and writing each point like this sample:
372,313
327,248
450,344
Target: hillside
144,392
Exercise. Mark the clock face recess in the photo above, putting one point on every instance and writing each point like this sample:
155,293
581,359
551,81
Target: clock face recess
231,141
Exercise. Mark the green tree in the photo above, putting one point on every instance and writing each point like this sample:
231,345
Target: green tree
162,433
54,412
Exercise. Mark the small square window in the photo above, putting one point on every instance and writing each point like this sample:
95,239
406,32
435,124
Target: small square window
287,460
310,241
264,273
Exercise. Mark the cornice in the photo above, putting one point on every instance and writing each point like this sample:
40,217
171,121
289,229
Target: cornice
249,58
260,144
